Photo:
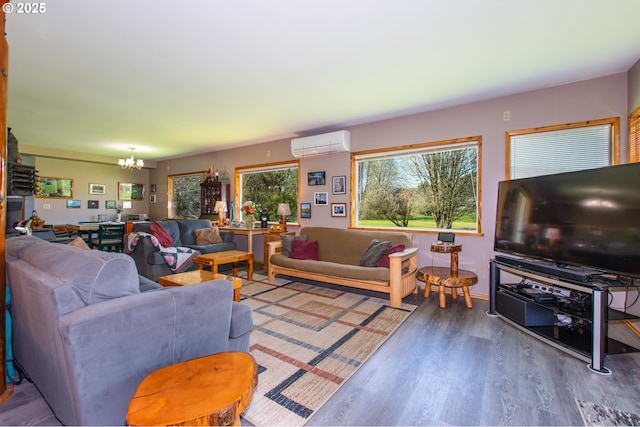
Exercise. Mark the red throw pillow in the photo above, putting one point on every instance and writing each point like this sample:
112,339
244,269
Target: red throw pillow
302,249
384,261
162,235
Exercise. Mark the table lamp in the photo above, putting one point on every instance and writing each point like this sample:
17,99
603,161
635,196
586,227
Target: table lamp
283,211
221,208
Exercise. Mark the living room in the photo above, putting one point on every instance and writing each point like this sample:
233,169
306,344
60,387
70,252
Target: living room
563,104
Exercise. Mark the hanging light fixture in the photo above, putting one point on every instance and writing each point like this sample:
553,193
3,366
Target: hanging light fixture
131,163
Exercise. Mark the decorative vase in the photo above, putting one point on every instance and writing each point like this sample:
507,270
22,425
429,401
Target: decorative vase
249,220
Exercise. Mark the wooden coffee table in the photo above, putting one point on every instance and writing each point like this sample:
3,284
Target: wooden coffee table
199,276
213,260
207,391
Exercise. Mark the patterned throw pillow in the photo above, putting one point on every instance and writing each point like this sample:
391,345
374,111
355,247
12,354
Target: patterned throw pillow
301,249
161,234
374,252
206,236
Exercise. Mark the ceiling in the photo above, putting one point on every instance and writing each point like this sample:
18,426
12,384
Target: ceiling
173,78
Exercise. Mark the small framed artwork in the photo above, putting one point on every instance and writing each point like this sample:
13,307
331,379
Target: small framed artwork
305,210
339,185
321,198
130,191
338,209
128,204
152,198
110,204
316,178
93,204
152,188
73,204
97,189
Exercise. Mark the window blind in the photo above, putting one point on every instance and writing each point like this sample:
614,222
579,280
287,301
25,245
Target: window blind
634,137
566,150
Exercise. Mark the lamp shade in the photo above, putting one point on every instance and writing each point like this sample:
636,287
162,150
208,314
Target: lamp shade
284,209
220,206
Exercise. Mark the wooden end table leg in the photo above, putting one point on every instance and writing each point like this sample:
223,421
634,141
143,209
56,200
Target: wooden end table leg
427,290
234,269
443,301
250,267
454,293
467,296
198,265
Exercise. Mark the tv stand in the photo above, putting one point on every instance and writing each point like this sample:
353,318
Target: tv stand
571,316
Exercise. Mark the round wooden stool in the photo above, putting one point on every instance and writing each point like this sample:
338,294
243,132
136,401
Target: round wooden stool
207,391
443,277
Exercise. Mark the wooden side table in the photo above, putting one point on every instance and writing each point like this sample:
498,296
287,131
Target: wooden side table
207,391
199,276
214,259
444,277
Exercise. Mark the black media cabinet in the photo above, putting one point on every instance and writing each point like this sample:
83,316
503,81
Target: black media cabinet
570,313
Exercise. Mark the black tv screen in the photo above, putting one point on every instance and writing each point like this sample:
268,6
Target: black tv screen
589,218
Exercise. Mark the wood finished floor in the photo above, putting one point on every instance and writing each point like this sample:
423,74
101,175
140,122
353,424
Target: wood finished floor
450,366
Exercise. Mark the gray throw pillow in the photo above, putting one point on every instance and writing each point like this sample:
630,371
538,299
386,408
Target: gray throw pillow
286,243
374,252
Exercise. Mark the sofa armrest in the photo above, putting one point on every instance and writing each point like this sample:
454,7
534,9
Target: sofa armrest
144,255
113,345
273,247
402,278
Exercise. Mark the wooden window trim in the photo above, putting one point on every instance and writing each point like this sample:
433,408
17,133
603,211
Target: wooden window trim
633,146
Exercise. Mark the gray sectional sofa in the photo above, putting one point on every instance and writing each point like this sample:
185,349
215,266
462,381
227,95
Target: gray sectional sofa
86,335
150,262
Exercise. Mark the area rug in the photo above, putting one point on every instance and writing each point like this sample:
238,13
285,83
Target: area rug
308,340
598,415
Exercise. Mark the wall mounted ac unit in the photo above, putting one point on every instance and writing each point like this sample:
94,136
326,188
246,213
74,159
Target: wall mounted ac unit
319,145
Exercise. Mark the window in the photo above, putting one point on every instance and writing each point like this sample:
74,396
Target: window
431,186
634,137
184,191
562,148
270,185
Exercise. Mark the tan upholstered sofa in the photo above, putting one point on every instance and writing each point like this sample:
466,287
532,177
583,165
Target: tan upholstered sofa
340,252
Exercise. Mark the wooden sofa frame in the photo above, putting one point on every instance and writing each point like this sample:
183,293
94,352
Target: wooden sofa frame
399,285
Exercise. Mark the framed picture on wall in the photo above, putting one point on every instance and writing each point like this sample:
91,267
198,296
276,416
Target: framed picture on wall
339,185
152,198
338,209
93,204
321,198
305,210
110,204
130,191
57,188
73,204
97,189
316,178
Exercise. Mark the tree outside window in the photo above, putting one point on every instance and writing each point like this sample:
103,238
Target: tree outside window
270,185
184,193
431,186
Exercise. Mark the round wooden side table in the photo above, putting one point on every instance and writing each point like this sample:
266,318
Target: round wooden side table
444,277
207,391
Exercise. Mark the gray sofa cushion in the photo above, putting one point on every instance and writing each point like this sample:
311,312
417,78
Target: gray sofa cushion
188,230
94,275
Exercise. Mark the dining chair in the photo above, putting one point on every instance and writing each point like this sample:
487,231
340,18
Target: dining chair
110,238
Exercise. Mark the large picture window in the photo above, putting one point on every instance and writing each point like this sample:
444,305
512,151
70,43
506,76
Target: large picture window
269,185
431,186
562,148
184,191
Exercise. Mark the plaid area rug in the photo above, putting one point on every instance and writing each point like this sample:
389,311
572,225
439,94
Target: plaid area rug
598,415
308,340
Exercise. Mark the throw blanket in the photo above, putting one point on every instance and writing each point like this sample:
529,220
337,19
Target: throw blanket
177,258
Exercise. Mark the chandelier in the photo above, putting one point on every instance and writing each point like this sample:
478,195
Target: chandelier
131,163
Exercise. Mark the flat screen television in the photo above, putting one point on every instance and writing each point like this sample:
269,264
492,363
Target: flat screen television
589,218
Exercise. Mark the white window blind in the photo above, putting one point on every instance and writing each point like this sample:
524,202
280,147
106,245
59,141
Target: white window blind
566,150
